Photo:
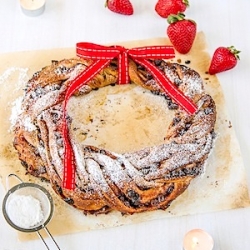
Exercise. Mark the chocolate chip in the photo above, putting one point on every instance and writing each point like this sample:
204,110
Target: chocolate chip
113,65
154,202
161,198
133,195
213,134
172,105
121,198
24,163
56,87
145,171
182,132
182,172
140,67
127,204
208,111
36,74
187,126
58,189
41,143
149,76
61,70
177,81
55,62
69,201
157,62
170,189
176,120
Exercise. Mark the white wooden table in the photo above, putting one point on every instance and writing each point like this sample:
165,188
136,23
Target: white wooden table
64,23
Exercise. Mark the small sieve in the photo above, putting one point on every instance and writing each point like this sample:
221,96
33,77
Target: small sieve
37,192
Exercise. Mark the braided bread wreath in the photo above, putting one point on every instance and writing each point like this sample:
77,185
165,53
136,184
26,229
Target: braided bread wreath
133,182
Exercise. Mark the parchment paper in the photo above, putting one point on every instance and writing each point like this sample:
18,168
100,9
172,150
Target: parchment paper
222,186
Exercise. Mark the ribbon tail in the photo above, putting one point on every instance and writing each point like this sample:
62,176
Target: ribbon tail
178,96
123,68
79,81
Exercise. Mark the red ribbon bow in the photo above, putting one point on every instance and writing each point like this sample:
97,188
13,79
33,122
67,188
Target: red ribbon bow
102,56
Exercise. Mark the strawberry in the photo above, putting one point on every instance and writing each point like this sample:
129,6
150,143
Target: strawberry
166,7
120,6
224,58
181,32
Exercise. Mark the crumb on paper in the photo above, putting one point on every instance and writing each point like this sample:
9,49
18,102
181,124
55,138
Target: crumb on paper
8,74
14,79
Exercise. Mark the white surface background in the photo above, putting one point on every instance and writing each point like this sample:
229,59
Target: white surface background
65,22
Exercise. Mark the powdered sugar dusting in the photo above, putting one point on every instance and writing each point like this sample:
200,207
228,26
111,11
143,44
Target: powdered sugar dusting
193,84
16,111
28,124
121,180
196,86
97,175
22,75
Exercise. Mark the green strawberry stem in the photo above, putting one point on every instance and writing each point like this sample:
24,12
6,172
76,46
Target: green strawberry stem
186,2
176,18
234,51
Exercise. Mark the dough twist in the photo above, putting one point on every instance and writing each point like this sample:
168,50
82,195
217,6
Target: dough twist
145,180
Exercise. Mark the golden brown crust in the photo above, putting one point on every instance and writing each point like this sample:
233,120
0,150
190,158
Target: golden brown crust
144,180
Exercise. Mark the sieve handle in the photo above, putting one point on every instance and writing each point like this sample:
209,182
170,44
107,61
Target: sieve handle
51,237
8,177
42,239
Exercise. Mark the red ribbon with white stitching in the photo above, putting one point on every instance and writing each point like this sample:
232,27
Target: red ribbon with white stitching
102,56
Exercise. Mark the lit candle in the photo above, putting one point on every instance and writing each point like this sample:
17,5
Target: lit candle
198,239
32,7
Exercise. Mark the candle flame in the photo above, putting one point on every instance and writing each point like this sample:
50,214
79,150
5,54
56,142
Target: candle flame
195,242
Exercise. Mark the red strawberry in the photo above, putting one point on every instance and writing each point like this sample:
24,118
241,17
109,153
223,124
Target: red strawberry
181,32
166,7
224,58
120,6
